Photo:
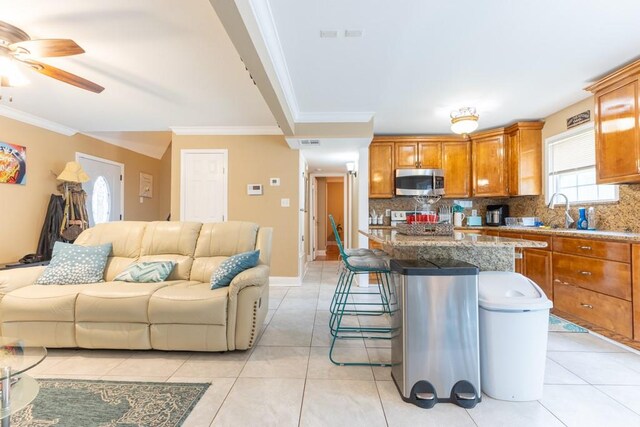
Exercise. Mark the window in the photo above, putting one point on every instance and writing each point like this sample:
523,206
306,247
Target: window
571,168
101,201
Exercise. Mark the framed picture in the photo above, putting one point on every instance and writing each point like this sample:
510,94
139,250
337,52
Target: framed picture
146,185
13,164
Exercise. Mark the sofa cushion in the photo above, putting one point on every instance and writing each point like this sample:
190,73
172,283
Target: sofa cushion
226,238
146,272
126,238
170,237
233,266
42,303
117,302
204,267
189,304
75,264
182,264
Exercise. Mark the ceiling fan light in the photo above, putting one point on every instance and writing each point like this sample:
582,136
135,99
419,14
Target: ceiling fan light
10,73
464,121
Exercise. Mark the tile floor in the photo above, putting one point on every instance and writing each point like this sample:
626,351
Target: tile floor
287,379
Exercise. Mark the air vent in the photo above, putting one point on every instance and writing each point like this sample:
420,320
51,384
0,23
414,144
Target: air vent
328,34
309,142
353,33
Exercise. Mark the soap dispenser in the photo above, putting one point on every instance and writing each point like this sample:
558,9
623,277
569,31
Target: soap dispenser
582,223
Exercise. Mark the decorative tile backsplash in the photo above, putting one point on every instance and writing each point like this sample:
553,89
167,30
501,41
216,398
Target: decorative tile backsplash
623,215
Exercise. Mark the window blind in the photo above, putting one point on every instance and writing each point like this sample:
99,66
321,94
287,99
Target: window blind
573,153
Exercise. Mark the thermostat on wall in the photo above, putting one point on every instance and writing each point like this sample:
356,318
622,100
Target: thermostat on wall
254,189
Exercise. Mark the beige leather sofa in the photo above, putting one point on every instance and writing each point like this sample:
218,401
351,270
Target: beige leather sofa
182,313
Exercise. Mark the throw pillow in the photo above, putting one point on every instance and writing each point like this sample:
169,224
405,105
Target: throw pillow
74,264
147,272
232,266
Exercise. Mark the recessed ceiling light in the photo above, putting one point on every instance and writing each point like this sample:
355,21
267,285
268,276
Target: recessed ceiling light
328,34
353,33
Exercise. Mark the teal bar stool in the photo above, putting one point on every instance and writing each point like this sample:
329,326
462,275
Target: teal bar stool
354,262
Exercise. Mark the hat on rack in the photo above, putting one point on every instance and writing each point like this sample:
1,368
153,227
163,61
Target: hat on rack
73,172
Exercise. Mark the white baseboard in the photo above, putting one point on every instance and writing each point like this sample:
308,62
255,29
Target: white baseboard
284,281
321,253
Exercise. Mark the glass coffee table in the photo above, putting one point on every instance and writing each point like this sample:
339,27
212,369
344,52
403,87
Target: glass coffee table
18,388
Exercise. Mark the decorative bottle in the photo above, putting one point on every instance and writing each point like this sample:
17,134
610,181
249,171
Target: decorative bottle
582,223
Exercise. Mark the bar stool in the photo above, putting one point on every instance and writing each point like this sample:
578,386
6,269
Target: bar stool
354,262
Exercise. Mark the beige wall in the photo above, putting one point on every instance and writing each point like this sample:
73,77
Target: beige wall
254,159
335,206
24,206
322,209
557,122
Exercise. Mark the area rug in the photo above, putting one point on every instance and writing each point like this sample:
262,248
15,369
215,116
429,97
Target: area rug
557,324
79,403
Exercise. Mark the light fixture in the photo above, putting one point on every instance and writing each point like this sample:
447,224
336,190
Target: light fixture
464,120
351,169
10,74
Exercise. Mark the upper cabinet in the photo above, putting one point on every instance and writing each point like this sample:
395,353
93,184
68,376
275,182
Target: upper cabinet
617,126
456,163
524,145
418,154
489,164
381,184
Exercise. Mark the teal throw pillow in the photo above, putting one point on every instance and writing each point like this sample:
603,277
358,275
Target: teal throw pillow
232,266
74,264
146,272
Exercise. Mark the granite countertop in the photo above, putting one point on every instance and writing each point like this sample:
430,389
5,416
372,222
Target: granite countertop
563,232
387,236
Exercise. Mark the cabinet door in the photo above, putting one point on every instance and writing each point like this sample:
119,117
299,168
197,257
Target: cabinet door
513,147
456,163
617,133
489,167
538,267
430,155
406,155
381,183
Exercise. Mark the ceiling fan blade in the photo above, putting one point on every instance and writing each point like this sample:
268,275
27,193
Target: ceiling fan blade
47,47
62,75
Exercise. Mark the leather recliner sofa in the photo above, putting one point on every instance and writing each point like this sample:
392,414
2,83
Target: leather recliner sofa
182,313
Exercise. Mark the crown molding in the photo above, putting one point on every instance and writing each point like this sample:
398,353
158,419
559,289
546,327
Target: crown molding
23,117
226,130
340,117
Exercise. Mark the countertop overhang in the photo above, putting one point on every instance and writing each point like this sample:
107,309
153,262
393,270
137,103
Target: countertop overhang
388,236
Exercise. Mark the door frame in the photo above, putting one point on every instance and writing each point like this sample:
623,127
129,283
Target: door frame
80,155
314,209
183,184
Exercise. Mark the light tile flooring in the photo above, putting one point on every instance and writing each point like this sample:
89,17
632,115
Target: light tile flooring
287,379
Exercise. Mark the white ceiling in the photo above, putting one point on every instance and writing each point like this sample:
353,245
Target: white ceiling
419,60
163,63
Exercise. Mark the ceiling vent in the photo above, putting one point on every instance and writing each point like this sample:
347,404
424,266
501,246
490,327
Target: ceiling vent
328,34
309,142
353,33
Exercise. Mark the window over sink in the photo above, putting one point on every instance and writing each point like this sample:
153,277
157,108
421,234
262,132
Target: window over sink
571,167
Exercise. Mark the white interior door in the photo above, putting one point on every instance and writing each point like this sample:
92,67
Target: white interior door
105,189
203,183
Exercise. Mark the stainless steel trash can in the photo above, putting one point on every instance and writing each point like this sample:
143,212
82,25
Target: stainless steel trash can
435,350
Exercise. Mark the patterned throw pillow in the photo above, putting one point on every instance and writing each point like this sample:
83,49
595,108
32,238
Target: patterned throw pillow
232,266
147,272
74,264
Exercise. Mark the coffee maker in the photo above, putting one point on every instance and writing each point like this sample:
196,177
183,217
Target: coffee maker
496,214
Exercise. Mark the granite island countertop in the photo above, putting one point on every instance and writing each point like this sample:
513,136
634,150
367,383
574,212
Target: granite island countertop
391,237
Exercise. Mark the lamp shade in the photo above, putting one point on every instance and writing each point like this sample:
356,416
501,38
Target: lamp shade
73,172
464,121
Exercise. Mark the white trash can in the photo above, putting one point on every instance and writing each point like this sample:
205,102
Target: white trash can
514,324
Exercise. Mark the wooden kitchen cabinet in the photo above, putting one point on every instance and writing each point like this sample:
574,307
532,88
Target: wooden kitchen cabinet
381,183
489,166
456,163
617,125
524,146
418,154
537,266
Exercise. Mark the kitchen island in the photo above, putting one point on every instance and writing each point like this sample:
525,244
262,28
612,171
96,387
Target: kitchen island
489,253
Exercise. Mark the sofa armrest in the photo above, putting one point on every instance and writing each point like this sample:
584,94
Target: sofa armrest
15,278
255,276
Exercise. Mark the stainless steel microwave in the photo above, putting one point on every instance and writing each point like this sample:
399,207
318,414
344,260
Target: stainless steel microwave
419,182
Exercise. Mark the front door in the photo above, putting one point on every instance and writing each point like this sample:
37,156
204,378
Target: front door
104,189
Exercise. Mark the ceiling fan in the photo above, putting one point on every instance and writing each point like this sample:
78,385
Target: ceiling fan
16,45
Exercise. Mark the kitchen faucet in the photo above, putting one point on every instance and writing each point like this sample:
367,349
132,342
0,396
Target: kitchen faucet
567,216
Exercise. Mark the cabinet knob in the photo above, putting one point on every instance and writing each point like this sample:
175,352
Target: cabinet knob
585,248
589,306
585,273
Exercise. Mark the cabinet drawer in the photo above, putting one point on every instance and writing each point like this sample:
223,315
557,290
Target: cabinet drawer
540,238
602,310
609,277
614,251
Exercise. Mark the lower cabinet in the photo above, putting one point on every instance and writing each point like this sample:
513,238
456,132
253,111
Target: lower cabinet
538,267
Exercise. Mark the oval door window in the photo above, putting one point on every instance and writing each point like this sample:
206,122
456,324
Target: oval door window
101,201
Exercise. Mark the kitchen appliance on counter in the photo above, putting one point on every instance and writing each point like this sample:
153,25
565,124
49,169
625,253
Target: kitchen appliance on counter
496,214
419,182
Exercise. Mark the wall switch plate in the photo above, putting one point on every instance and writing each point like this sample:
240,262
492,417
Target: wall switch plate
274,182
284,203
254,189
